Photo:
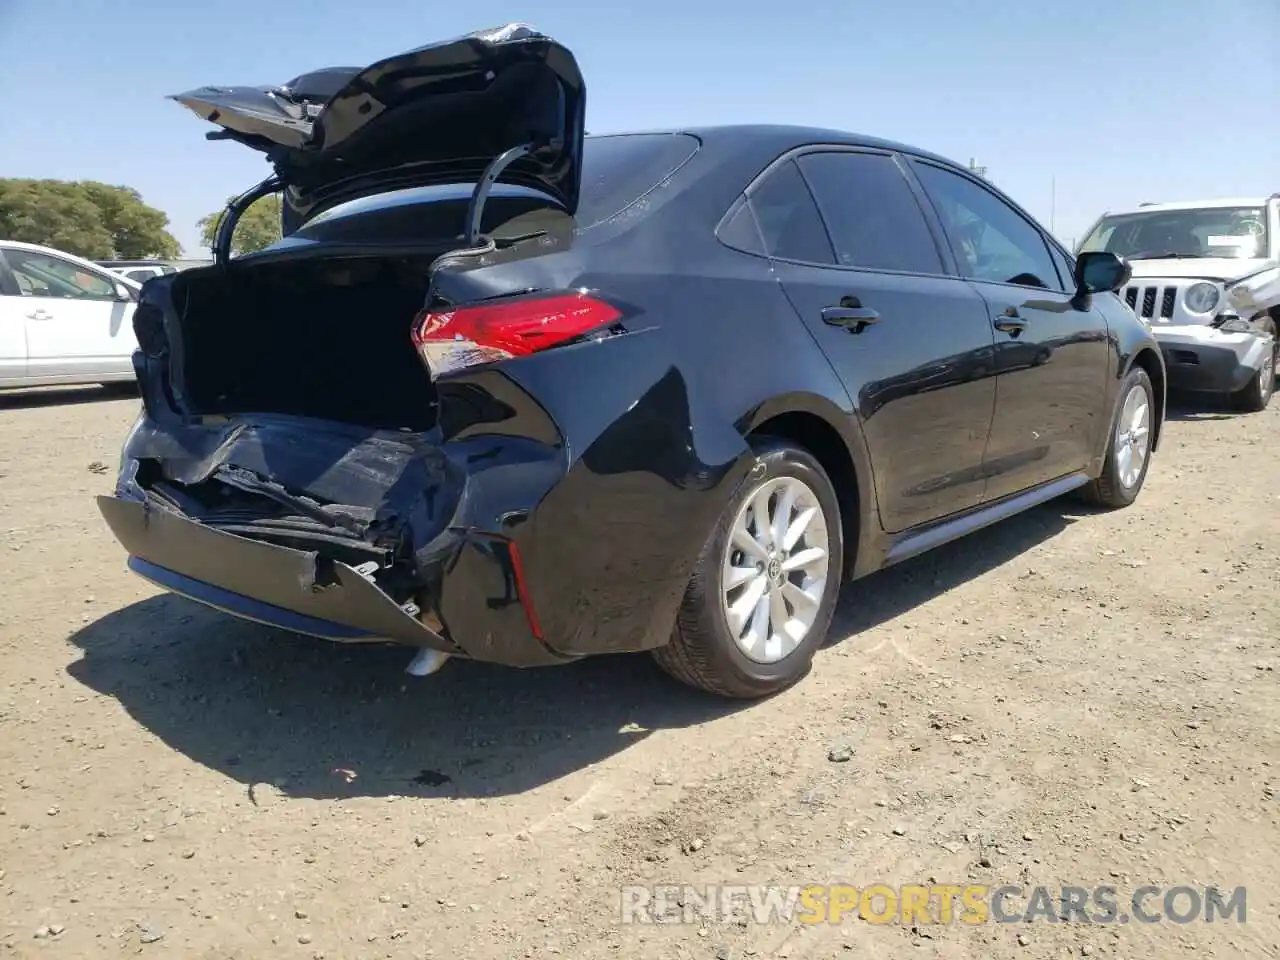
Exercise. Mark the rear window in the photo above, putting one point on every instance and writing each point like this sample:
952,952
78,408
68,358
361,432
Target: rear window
618,172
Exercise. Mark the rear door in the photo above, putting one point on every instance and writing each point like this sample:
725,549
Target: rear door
864,270
1052,349
13,330
75,326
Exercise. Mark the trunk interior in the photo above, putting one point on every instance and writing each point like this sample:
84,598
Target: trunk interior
323,335
325,338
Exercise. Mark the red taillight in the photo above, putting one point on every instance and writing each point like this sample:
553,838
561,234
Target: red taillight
478,333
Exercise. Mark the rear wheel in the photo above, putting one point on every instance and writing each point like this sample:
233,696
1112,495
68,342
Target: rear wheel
1255,397
1129,450
765,586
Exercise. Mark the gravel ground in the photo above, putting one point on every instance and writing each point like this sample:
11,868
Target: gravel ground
1070,698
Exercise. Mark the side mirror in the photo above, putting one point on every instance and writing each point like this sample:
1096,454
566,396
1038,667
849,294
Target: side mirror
1099,272
123,293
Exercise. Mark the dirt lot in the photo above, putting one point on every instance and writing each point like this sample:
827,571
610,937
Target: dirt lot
1067,699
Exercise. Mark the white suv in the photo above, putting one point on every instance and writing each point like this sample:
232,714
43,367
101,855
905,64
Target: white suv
1206,279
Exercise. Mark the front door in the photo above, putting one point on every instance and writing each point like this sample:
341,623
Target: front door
912,345
1052,348
75,325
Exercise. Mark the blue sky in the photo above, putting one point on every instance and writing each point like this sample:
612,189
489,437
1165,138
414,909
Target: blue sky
1118,103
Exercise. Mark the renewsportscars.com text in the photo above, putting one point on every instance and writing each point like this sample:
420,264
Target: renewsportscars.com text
929,904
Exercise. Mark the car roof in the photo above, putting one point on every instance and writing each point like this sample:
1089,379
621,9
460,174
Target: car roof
747,148
55,252
784,137
737,152
743,150
1194,205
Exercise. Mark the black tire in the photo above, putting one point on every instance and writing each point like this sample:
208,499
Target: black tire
1255,397
1110,490
702,651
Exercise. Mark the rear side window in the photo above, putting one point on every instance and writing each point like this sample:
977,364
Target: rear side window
741,233
871,213
789,220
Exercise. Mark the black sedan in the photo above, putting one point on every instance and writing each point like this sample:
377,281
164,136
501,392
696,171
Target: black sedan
512,393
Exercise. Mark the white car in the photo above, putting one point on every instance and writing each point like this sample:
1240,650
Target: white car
140,274
139,271
63,319
1206,279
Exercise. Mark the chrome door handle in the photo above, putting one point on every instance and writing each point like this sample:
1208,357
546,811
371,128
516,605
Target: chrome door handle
1011,323
850,314
39,315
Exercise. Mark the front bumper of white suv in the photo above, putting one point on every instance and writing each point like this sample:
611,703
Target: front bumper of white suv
1209,358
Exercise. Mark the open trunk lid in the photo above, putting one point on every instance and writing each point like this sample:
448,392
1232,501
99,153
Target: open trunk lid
438,114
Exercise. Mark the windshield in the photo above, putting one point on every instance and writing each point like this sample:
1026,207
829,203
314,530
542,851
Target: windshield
1235,232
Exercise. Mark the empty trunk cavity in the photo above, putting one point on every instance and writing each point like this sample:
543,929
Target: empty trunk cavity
324,338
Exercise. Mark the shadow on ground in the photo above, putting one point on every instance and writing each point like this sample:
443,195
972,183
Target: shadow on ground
262,706
893,592
265,706
29,399
1201,407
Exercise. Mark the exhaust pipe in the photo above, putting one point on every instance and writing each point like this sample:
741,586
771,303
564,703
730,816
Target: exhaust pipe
426,662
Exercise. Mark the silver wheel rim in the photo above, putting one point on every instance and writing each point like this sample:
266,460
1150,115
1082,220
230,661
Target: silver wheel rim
1133,435
774,571
1267,375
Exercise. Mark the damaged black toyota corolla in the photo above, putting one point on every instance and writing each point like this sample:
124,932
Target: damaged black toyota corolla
515,394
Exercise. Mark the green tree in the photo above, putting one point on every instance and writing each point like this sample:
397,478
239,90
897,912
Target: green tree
55,214
94,220
138,231
258,227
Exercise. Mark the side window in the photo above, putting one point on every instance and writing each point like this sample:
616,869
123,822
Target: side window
39,275
991,240
1066,267
788,218
871,213
741,233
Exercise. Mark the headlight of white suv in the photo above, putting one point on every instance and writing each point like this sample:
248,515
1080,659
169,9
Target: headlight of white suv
1201,297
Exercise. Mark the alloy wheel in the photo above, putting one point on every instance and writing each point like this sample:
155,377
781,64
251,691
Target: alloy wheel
1267,375
774,570
1133,435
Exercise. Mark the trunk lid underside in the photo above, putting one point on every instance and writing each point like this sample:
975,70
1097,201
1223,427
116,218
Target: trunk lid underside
437,114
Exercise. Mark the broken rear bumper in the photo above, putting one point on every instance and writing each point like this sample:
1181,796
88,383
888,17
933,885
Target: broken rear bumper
477,613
